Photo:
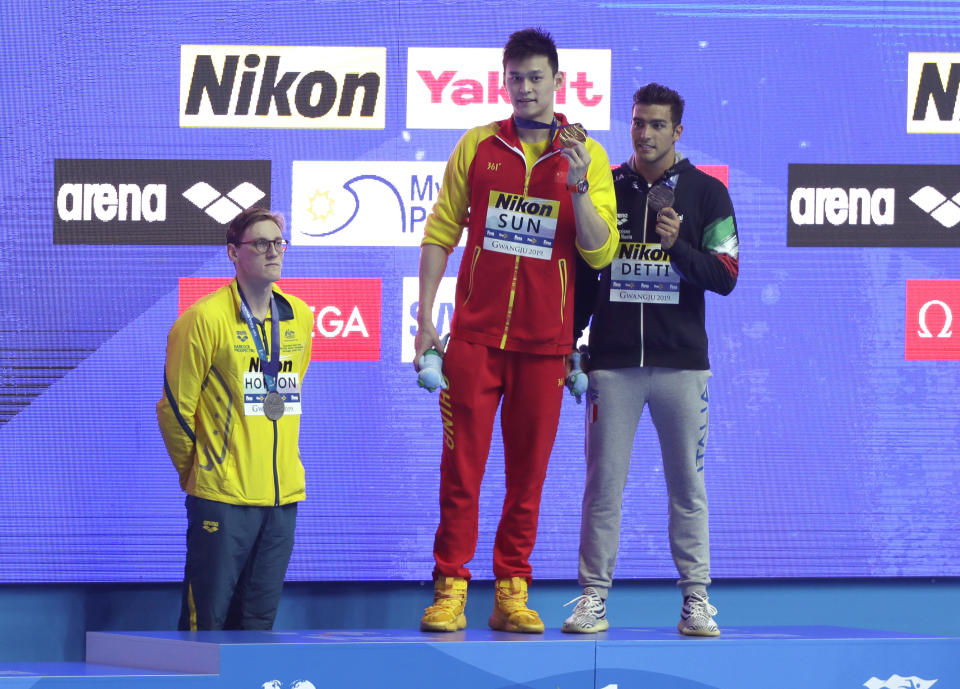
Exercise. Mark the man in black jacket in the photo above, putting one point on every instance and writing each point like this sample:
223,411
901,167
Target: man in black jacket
648,346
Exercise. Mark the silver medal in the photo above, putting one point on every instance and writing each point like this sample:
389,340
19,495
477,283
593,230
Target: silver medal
273,406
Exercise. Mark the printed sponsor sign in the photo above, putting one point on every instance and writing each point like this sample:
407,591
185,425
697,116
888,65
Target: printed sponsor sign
282,86
459,88
933,93
362,203
931,328
873,205
346,312
113,201
442,312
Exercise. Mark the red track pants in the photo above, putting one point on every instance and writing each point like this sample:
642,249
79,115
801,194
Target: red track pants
531,387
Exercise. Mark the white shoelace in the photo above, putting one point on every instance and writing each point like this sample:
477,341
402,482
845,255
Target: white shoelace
587,603
700,607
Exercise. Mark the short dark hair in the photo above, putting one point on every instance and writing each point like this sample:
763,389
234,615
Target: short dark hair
528,43
246,218
657,94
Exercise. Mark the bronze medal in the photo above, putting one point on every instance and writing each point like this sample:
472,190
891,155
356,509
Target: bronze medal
273,406
660,197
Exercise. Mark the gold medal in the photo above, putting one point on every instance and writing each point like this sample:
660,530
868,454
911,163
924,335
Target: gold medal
569,134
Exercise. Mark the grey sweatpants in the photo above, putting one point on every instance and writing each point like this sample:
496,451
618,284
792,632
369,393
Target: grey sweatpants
678,407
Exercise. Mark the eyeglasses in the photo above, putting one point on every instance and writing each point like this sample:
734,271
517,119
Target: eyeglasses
261,245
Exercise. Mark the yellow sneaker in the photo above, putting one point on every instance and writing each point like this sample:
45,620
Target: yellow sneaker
510,611
446,613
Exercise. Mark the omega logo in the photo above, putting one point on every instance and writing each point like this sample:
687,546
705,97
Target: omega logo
945,331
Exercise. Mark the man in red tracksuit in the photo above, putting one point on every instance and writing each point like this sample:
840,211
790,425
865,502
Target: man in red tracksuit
530,203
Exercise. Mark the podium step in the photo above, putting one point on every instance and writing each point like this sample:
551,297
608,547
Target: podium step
742,658
95,676
777,658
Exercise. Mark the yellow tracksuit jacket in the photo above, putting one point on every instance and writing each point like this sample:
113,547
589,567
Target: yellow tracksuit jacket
221,444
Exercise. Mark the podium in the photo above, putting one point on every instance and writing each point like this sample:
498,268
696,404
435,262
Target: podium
621,658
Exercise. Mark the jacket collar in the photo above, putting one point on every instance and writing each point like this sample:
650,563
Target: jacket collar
508,131
284,309
680,164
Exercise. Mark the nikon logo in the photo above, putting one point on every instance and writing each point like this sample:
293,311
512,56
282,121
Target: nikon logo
256,366
933,93
817,206
282,87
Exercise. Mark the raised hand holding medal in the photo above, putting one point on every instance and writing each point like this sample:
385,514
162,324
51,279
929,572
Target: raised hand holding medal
569,134
660,196
660,199
572,139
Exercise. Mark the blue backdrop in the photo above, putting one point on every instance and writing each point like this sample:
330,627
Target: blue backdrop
830,453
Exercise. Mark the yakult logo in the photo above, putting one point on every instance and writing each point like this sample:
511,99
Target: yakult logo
282,86
457,88
931,333
346,312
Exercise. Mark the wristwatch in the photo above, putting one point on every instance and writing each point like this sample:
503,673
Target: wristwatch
579,188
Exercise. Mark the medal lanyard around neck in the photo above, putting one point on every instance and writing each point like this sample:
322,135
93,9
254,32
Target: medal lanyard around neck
272,367
524,123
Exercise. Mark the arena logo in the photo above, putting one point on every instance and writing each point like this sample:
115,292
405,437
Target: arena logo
155,202
932,309
223,207
346,312
351,203
933,93
872,205
107,202
282,87
458,88
944,210
817,206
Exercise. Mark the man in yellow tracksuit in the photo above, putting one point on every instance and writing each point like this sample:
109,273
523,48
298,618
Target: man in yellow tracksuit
230,419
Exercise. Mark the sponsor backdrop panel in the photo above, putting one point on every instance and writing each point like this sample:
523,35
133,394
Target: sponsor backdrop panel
140,129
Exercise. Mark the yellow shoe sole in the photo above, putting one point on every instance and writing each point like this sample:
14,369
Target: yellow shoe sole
454,626
503,624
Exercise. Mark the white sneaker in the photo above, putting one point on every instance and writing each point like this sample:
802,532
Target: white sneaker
590,615
696,616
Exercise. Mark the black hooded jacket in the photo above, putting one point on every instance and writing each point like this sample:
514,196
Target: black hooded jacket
640,332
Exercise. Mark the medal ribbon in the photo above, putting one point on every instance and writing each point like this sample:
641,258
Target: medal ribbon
524,123
578,132
272,367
